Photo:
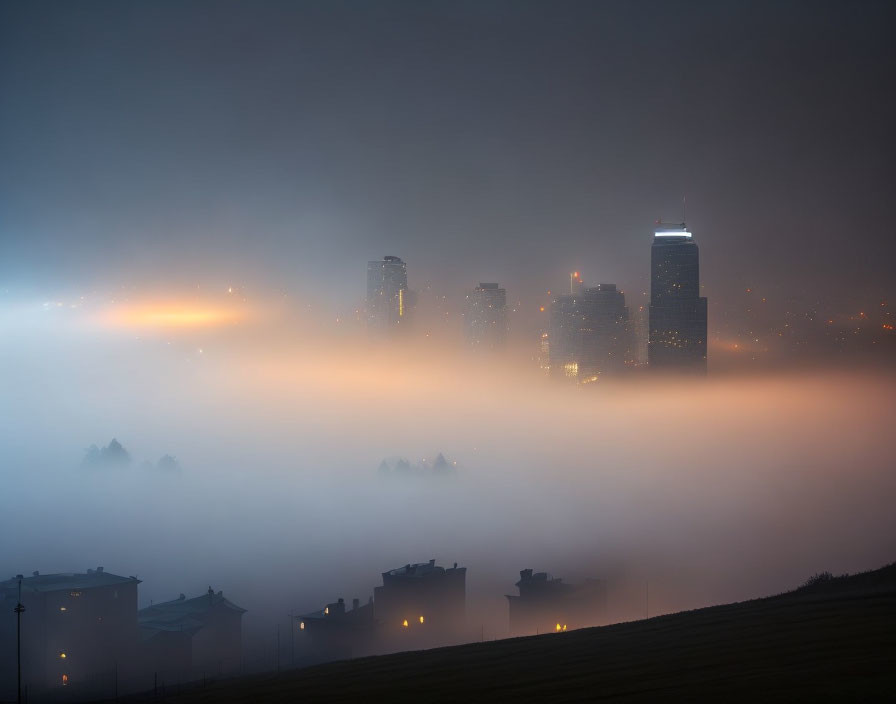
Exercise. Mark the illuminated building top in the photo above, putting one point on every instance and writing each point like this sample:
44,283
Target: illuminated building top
664,230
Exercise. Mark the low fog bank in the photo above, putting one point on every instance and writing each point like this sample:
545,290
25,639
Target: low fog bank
710,490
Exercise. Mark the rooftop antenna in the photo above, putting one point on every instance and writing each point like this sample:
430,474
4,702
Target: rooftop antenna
684,210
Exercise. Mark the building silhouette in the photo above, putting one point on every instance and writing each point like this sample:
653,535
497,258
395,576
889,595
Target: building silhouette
79,634
389,302
334,633
421,604
640,333
589,332
677,339
547,604
485,317
186,638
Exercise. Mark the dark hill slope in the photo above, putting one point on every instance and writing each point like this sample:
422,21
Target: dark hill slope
833,640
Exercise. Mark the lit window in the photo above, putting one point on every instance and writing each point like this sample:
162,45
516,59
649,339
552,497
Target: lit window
62,608
74,594
302,626
326,609
421,619
405,623
62,655
64,680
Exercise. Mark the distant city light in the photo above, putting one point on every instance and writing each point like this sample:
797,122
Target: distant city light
682,233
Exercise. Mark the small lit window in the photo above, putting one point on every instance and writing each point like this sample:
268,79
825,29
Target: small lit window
326,609
405,623
302,626
421,619
62,655
62,608
64,680
76,594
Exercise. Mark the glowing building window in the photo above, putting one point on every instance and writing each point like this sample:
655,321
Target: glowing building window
75,594
62,608
571,369
405,623
421,619
326,610
302,626
64,680
62,655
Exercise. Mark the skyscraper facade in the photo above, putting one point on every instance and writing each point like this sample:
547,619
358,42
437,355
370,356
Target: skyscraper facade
605,343
589,333
677,310
485,316
389,301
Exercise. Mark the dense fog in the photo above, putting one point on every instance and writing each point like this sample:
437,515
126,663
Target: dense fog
275,426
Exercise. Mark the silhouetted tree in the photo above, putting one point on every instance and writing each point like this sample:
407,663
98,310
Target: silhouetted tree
818,578
441,464
112,454
168,463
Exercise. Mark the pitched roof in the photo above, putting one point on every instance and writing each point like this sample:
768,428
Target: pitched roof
181,610
66,581
182,615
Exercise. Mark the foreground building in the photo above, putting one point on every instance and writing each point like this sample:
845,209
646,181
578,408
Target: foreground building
485,317
188,638
677,339
421,604
79,634
546,604
334,633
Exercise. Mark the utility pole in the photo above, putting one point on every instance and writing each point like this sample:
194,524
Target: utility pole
292,639
19,609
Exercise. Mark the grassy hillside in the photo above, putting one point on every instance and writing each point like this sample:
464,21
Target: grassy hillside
833,640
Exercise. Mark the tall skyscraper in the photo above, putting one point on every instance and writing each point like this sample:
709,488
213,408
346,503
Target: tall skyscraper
605,343
677,310
485,317
640,332
389,301
589,333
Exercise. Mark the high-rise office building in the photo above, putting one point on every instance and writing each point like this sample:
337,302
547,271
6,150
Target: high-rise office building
677,310
565,337
605,343
639,334
485,316
389,302
589,333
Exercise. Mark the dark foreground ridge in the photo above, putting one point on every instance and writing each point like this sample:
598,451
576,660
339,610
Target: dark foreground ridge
835,639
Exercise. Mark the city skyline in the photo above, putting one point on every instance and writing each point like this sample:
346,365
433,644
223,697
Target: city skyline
352,328
284,171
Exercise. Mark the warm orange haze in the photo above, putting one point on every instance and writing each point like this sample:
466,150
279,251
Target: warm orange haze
447,351
710,491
